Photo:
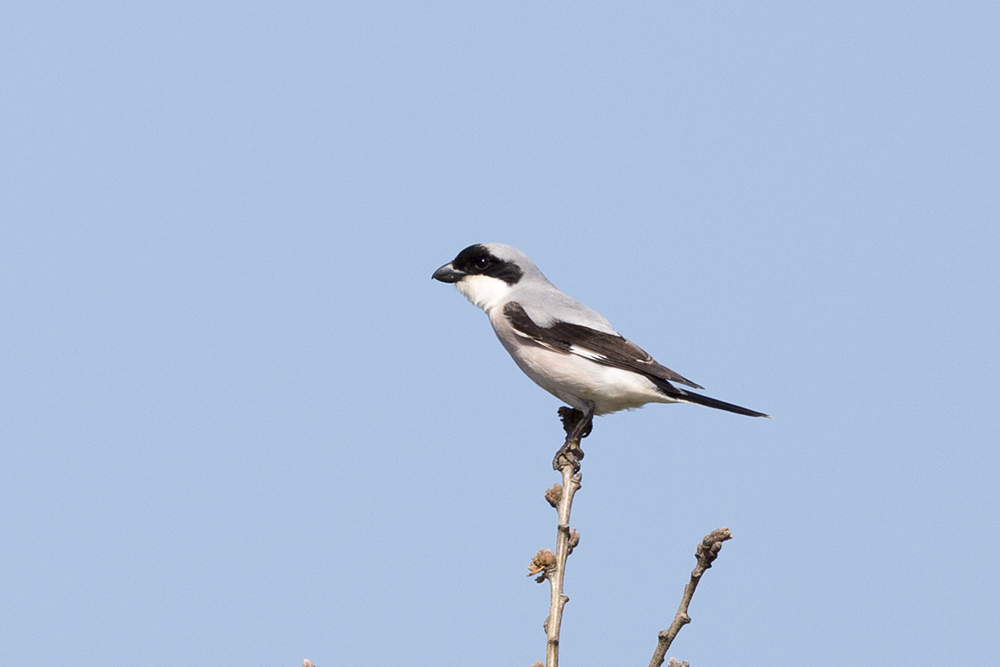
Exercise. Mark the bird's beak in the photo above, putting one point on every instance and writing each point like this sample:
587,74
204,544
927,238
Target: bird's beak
448,274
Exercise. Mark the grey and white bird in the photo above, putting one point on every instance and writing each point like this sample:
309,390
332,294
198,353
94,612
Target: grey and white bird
568,349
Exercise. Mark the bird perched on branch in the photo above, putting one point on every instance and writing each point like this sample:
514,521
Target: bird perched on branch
568,349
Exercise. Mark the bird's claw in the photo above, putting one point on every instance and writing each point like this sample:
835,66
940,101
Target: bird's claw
577,425
569,454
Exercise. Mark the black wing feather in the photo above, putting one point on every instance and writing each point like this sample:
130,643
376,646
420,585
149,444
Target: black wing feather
615,351
609,349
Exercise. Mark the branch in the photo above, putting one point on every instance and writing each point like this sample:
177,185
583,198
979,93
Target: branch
706,554
553,566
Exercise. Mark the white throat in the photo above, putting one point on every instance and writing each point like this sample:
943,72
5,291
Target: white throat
484,291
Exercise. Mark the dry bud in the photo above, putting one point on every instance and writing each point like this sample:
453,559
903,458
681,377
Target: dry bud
574,539
542,561
554,495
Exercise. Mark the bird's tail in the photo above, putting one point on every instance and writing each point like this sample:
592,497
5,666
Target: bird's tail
690,397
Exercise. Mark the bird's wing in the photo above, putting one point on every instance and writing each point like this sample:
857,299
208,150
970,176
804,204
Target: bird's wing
609,349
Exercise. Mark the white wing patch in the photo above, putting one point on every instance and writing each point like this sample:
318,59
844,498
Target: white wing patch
586,354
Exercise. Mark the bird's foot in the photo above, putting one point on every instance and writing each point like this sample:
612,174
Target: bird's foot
569,454
577,425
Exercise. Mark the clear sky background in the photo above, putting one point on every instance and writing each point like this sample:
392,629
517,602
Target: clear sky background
240,424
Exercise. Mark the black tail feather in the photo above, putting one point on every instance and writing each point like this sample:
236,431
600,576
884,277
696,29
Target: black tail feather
691,397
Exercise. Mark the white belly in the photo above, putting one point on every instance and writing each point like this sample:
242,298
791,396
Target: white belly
582,383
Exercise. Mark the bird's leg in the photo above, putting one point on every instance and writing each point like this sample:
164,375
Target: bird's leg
577,425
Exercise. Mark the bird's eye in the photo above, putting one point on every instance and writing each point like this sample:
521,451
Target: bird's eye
482,263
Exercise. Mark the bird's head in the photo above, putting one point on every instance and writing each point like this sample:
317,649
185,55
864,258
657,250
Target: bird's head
487,272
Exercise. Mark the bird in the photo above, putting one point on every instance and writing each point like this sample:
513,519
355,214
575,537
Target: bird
566,348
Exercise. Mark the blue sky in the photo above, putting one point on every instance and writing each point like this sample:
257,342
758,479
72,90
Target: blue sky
240,424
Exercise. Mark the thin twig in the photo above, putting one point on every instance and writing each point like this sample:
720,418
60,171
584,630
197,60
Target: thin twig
566,539
706,554
553,566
